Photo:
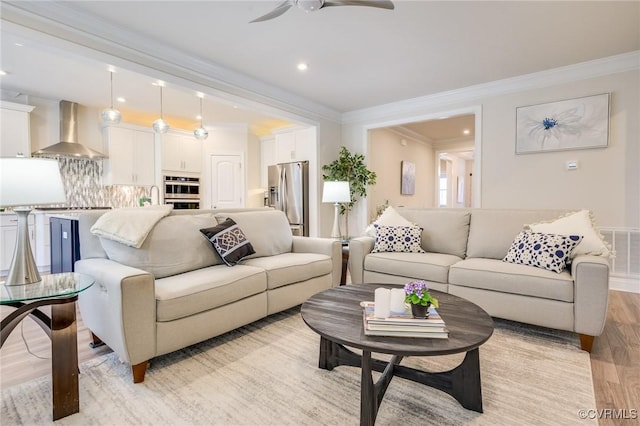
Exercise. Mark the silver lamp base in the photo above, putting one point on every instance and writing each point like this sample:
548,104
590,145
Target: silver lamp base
23,268
335,231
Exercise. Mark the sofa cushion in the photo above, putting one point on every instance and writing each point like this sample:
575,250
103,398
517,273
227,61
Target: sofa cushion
547,251
580,223
496,275
197,291
493,231
268,231
402,239
444,230
173,246
229,242
289,268
425,266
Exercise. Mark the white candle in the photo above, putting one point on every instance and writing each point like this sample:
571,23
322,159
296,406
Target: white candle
382,303
397,300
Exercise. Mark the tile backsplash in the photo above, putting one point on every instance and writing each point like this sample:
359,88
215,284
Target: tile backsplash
82,181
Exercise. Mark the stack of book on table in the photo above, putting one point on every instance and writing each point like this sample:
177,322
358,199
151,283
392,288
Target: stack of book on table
403,324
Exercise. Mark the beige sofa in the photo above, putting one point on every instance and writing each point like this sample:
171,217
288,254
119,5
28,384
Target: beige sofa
464,252
175,291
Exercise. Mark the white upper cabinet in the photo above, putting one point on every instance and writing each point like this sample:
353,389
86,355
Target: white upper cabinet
15,134
181,153
295,145
131,156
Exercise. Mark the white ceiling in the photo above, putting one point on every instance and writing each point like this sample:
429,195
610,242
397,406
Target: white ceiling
358,57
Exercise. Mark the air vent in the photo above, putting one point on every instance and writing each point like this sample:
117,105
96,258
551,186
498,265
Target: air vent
626,243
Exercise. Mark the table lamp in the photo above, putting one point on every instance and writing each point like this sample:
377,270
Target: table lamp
26,182
336,192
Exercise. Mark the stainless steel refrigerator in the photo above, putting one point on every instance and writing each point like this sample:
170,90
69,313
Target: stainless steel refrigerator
289,192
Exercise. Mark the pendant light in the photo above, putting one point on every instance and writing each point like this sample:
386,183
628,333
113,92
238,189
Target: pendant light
160,126
201,133
111,115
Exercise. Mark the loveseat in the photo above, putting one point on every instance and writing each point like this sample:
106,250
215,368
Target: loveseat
463,255
175,290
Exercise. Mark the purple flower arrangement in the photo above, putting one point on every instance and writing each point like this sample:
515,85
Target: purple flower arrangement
417,293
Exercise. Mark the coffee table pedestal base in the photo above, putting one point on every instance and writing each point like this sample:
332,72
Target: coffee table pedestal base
462,382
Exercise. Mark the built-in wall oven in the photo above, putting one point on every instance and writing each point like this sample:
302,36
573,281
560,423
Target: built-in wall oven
182,192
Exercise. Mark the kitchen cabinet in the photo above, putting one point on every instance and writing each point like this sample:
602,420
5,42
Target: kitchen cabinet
131,156
42,241
15,133
65,244
181,153
296,145
8,234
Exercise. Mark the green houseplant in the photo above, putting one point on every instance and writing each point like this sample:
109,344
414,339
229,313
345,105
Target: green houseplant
417,294
351,168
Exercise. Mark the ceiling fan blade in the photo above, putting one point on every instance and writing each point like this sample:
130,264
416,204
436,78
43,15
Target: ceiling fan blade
279,10
382,4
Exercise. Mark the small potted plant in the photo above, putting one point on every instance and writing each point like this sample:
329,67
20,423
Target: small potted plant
417,295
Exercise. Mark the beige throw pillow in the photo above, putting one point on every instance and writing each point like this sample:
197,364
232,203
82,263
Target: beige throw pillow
389,217
578,223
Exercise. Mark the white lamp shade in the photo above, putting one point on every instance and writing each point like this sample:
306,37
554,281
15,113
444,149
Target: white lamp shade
336,192
30,181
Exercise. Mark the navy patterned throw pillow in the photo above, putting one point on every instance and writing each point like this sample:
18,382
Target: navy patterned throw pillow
229,241
547,251
402,239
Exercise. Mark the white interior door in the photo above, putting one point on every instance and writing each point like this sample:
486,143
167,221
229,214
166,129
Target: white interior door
227,181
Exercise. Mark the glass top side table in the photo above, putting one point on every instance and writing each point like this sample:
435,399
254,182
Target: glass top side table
54,285
60,291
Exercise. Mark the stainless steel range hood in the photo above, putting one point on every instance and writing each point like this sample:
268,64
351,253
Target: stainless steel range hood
69,145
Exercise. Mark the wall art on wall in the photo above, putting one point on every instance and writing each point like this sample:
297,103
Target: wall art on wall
408,178
564,125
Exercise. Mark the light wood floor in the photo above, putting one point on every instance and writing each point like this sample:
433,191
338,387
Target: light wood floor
615,359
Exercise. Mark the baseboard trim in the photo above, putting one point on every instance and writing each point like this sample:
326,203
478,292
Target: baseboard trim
629,285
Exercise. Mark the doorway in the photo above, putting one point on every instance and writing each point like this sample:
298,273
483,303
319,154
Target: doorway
446,149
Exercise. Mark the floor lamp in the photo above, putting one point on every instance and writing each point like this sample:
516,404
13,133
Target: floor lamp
336,192
25,182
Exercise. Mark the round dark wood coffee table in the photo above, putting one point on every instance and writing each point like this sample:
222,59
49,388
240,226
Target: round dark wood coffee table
336,315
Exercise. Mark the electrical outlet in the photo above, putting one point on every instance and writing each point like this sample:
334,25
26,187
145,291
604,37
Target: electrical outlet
572,165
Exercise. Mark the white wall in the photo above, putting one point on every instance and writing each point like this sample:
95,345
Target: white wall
607,182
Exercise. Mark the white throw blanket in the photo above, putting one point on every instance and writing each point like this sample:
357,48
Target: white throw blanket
129,226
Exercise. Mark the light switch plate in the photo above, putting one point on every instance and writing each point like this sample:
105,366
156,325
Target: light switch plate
572,165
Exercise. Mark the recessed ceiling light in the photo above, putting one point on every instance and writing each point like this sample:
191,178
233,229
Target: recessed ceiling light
121,99
303,66
3,72
466,131
18,44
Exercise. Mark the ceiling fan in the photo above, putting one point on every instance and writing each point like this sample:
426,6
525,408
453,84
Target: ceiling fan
313,5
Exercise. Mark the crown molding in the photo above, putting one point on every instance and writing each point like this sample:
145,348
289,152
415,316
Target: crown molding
580,71
66,23
405,132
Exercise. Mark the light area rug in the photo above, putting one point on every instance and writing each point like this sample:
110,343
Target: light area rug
267,373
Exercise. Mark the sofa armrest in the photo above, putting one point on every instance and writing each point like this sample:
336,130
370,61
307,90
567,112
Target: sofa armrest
120,308
359,248
591,293
329,246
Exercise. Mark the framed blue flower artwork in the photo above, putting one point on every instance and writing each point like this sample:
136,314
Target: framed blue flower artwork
579,123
